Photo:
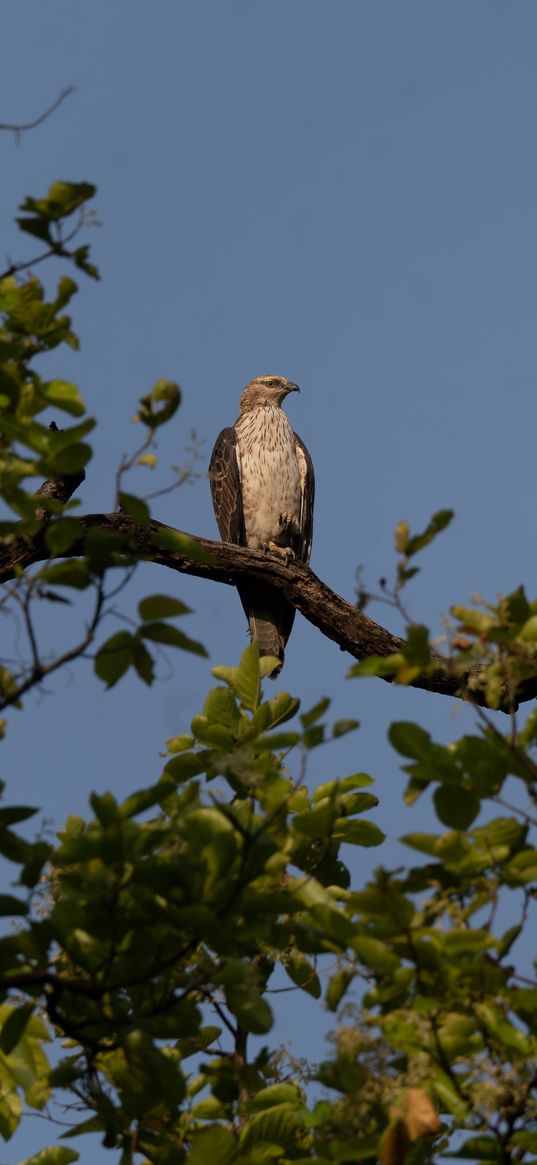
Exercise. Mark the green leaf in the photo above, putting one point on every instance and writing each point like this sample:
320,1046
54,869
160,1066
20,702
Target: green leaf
357,1150
342,786
67,574
145,798
13,1027
495,1023
150,1076
212,1146
159,405
456,807
64,396
72,459
62,534
375,954
425,843
449,1095
416,650
180,743
302,973
172,637
244,680
401,536
529,630
342,727
343,1074
307,719
80,257
364,833
106,808
12,906
62,439
276,711
185,766
378,665
136,507
251,1010
55,1155
179,543
501,831
479,1148
276,741
36,226
438,522
14,848
515,607
267,664
63,199
337,987
476,622
10,1106
528,734
278,1125
143,663
69,1069
526,1139
317,822
161,607
409,739
274,1094
115,657
466,941
215,735
12,814
190,1045
220,707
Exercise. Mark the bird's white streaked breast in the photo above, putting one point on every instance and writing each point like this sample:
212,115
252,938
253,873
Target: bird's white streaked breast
270,476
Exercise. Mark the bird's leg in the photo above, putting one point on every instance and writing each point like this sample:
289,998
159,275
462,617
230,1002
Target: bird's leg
285,552
287,521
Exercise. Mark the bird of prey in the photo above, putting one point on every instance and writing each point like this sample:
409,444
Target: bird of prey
263,486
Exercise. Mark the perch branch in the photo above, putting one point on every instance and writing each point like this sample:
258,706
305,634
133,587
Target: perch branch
337,619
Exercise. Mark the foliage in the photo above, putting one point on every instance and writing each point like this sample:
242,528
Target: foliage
152,939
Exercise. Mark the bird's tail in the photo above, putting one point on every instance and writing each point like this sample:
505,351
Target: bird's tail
269,620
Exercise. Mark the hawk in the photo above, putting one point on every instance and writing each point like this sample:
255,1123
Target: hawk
263,487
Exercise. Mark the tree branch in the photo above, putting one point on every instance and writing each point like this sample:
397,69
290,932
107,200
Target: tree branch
336,618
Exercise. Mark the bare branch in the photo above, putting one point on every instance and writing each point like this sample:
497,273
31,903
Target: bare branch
60,489
41,670
17,130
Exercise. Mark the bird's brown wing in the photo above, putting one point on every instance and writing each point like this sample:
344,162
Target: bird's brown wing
226,490
262,608
307,490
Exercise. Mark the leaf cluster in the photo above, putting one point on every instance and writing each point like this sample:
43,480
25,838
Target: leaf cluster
152,938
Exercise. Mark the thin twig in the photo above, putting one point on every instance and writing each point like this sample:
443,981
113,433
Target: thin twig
21,128
39,672
58,249
127,462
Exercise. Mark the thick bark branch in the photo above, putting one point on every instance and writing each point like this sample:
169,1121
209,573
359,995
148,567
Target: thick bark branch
336,618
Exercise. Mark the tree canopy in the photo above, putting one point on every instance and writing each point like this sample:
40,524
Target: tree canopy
149,940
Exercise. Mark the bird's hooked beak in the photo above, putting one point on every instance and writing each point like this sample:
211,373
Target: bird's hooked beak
292,387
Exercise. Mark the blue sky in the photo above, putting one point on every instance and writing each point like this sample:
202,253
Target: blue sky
342,193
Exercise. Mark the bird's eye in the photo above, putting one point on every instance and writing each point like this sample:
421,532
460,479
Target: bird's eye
271,384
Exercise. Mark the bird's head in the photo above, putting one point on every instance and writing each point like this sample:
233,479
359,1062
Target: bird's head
266,390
